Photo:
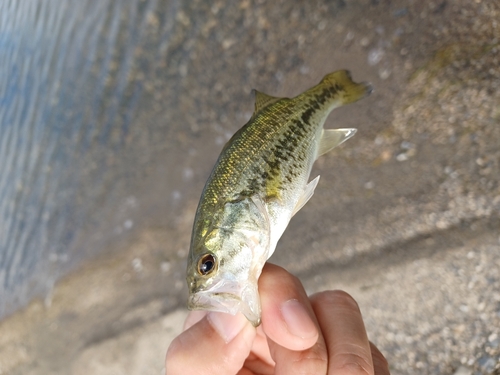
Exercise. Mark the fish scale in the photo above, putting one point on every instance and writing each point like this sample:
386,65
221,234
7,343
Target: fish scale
227,183
258,183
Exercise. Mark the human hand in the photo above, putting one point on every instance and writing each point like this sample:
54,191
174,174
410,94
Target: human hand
321,334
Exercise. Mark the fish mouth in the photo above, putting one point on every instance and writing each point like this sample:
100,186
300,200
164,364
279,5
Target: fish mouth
228,297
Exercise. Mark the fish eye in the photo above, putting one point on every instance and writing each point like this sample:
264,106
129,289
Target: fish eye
207,264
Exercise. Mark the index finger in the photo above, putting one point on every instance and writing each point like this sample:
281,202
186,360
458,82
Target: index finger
349,351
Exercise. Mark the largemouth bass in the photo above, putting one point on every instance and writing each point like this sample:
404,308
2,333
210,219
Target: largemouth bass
258,183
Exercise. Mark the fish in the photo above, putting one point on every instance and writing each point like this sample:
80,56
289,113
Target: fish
259,182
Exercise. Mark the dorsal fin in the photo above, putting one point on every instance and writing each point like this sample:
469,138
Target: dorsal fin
262,101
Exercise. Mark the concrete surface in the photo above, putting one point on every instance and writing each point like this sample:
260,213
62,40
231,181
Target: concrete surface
406,217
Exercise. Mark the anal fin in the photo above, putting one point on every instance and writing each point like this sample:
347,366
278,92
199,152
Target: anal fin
331,138
306,195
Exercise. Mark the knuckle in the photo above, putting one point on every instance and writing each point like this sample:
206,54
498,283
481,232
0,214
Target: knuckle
336,298
313,361
353,364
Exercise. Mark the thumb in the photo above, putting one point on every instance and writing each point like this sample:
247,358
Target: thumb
218,344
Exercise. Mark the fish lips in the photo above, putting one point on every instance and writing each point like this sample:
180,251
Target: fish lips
228,296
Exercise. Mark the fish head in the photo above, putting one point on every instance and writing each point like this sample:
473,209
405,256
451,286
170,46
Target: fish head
224,268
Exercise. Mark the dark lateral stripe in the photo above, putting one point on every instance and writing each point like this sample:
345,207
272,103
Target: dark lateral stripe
320,99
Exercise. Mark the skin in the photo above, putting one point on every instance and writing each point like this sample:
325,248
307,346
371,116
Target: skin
320,334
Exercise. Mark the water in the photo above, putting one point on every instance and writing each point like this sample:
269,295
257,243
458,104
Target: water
112,114
76,126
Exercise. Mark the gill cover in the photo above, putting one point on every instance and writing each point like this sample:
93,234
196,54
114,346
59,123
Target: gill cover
240,243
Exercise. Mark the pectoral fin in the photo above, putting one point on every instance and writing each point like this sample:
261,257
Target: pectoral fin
331,138
257,201
306,195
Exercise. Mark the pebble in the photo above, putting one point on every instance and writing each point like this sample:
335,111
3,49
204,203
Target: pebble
462,370
375,56
384,73
128,224
402,157
488,363
165,267
137,265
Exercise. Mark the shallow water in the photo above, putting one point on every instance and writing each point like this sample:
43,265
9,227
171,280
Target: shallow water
73,80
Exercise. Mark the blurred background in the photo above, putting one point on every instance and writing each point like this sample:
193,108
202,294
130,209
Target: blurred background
112,114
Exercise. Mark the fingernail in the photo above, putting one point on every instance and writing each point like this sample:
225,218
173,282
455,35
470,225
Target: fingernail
297,319
227,325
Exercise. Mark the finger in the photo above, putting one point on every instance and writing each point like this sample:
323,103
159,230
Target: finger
193,318
380,364
287,316
218,344
288,319
260,353
313,360
344,332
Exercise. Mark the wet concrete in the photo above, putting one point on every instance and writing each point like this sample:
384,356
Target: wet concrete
406,216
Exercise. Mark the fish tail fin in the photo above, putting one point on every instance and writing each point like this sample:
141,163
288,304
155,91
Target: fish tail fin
349,90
